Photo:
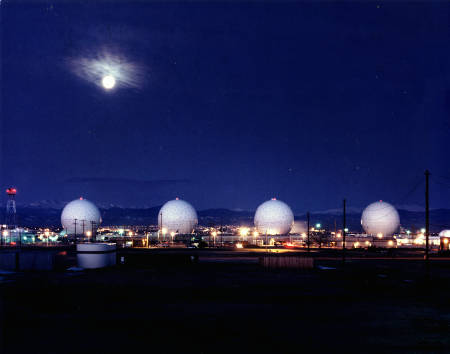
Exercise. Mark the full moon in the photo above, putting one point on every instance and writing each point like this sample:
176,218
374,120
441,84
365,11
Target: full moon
108,82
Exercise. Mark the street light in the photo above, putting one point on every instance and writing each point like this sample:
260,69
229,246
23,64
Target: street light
172,234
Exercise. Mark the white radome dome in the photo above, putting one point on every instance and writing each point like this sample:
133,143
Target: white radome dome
380,218
82,210
178,216
275,217
444,233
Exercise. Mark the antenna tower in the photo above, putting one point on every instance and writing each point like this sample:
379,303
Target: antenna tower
11,218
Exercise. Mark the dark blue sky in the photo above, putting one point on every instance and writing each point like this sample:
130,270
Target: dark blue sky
226,104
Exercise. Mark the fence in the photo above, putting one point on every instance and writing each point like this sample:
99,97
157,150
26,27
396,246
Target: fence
286,262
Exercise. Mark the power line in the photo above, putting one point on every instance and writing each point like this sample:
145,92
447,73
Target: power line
443,226
442,184
403,199
432,174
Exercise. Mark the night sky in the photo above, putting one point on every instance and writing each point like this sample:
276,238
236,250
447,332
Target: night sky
226,104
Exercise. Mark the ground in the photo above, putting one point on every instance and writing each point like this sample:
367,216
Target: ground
228,304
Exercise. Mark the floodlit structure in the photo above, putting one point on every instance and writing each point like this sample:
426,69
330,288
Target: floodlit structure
275,217
299,227
80,215
380,219
177,216
444,233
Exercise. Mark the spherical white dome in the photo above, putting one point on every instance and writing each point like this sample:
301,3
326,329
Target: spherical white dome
178,216
380,218
275,217
82,210
444,233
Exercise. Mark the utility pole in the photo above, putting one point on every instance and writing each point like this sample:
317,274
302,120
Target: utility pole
75,223
267,250
427,202
146,234
83,228
92,231
308,232
343,241
20,236
335,234
161,228
210,232
221,234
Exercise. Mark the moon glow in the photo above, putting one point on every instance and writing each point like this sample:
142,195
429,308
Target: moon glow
108,82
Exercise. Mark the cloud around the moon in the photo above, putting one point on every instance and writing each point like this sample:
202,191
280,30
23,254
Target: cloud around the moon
93,66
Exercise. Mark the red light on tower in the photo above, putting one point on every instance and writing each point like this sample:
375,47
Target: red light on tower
274,198
81,198
11,209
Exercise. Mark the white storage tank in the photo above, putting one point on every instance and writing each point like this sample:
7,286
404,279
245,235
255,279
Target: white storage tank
79,211
177,216
274,217
380,218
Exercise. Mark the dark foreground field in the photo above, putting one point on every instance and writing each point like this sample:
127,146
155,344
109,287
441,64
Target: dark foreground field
230,305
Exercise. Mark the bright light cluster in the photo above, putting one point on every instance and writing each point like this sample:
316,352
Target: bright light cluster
275,217
82,210
178,216
380,218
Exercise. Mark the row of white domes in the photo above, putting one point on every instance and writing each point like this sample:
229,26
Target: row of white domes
274,217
